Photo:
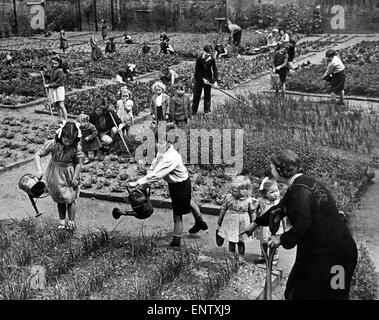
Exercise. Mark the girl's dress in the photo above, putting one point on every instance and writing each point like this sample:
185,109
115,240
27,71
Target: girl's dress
263,233
60,170
125,112
94,143
63,42
236,217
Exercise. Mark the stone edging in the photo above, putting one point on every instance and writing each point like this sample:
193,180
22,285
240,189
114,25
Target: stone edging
156,201
319,95
16,164
138,119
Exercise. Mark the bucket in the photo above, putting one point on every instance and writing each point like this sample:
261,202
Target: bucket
32,186
140,202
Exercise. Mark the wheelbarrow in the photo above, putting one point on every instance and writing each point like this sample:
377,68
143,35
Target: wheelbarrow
34,188
139,200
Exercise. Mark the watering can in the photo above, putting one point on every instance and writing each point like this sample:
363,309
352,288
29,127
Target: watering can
34,187
139,199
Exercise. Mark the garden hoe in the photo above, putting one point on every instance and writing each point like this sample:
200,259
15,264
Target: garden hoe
47,95
121,135
228,94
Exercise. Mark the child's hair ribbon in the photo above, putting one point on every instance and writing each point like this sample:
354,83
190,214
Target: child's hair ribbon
59,131
263,183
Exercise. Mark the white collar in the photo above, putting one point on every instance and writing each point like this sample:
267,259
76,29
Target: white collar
293,179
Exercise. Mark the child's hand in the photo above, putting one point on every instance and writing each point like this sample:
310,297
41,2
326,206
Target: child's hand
39,175
166,117
86,139
74,183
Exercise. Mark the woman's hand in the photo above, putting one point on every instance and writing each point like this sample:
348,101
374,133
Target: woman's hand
249,229
274,241
132,184
46,86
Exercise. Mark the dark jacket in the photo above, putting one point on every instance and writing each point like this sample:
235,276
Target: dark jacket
323,241
205,69
56,78
280,59
108,122
94,142
180,105
110,47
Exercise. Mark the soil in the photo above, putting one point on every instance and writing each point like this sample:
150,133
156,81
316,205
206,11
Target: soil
94,213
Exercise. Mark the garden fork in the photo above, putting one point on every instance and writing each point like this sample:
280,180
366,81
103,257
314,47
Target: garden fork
268,256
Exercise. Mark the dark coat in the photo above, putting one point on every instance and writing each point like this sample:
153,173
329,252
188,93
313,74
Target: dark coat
205,69
94,143
323,240
56,78
110,47
177,102
108,124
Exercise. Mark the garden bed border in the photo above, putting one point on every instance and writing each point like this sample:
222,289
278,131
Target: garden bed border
16,164
320,95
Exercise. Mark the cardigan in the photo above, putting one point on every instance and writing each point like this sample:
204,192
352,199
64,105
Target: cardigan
165,105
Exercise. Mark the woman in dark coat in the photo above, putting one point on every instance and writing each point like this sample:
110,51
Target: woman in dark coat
324,243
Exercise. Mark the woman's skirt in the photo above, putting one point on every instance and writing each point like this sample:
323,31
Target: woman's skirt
180,194
337,83
56,94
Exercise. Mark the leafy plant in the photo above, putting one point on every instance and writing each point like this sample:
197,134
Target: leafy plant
364,285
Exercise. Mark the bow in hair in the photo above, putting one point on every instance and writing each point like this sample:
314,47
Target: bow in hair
263,183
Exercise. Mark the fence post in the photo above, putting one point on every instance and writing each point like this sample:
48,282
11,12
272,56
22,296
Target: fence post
112,13
95,8
79,15
15,16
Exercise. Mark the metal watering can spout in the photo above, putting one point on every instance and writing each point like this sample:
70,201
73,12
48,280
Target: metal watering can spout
34,187
141,205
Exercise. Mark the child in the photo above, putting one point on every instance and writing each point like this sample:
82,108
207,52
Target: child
90,139
96,53
291,52
125,111
104,28
160,102
168,165
220,51
165,46
168,76
127,38
283,36
63,41
110,46
62,173
236,212
335,74
146,48
56,87
180,106
270,197
280,66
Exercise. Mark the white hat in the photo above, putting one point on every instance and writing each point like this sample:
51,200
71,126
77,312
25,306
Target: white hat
275,30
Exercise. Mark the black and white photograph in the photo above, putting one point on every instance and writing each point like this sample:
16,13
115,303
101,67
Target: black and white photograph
194,155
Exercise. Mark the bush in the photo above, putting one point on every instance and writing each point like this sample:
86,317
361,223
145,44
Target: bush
364,285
